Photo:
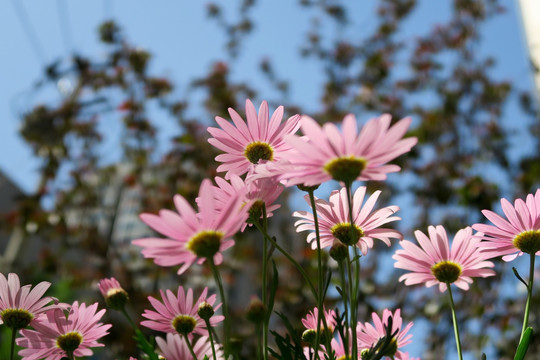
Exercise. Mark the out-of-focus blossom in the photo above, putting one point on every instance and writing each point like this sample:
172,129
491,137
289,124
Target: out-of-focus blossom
193,237
326,153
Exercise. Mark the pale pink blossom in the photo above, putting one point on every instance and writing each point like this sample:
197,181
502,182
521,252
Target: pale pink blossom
334,220
19,306
179,313
519,234
434,262
193,236
369,334
254,193
258,140
310,321
326,153
55,333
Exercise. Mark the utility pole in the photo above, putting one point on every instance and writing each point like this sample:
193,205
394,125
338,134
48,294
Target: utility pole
530,14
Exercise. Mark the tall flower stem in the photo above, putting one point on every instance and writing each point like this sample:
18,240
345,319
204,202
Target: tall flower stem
190,347
320,294
69,355
299,267
13,336
529,296
265,285
354,283
211,337
454,320
225,307
345,306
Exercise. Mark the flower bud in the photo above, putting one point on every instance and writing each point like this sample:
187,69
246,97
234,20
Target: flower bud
205,311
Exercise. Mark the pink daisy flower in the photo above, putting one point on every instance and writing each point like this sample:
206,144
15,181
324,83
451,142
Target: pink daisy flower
310,321
175,348
193,237
368,335
259,140
19,306
256,193
326,153
113,293
517,235
435,263
179,313
56,335
334,223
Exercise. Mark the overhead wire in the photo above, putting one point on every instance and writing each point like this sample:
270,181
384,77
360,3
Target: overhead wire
30,31
65,28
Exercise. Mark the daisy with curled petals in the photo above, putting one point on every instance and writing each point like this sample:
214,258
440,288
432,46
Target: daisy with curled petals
193,237
176,348
256,194
56,335
517,235
327,153
334,224
259,140
369,334
434,262
178,314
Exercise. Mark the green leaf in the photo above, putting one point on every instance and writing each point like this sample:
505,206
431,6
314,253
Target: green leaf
524,344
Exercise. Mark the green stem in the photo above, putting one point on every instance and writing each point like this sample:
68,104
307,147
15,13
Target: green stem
529,296
353,310
69,355
454,320
226,325
209,328
290,258
345,307
354,283
320,299
124,312
190,347
13,336
264,286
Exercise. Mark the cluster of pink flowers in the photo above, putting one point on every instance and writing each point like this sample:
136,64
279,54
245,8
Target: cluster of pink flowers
261,157
58,330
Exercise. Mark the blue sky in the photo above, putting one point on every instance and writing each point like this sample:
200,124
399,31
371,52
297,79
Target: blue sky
183,41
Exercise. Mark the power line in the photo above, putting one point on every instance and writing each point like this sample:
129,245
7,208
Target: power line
30,31
64,25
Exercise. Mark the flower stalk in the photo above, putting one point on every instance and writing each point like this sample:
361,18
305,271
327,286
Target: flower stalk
454,321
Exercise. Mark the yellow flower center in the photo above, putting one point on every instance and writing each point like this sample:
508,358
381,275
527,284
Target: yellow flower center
528,241
16,318
345,168
258,150
116,298
446,271
347,234
205,243
69,342
184,324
